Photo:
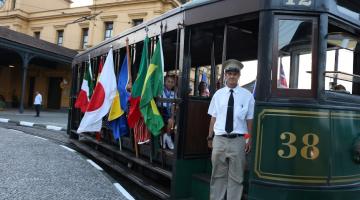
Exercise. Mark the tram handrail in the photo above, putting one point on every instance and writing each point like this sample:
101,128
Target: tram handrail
168,100
343,76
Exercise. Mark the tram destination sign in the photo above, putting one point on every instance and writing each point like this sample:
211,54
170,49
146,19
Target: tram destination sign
298,3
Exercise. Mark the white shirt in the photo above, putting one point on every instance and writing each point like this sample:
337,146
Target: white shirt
166,94
243,109
38,99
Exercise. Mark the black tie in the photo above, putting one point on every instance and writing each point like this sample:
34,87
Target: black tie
230,114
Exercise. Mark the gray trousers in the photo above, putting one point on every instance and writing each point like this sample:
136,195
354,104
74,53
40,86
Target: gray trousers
228,163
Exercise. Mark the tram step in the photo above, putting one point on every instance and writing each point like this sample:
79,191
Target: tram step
108,163
203,177
200,186
167,157
130,157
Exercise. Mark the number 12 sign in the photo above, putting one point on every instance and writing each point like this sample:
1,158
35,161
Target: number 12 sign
297,3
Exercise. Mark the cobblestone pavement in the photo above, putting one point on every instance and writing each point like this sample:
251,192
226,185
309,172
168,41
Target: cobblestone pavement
34,168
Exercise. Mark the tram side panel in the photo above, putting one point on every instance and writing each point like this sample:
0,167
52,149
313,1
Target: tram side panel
345,167
303,154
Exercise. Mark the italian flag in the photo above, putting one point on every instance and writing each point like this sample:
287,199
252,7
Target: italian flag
86,91
153,87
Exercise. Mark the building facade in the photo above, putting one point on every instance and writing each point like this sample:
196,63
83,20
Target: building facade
54,21
80,27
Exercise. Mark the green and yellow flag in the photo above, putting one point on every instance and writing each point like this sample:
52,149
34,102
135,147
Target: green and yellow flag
153,87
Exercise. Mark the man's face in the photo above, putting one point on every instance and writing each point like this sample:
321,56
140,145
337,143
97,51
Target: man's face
232,78
169,83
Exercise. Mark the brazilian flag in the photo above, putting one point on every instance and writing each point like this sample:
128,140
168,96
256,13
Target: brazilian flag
153,87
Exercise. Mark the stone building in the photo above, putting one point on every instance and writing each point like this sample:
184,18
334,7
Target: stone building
54,21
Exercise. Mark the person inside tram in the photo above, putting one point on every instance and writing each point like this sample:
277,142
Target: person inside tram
203,89
167,110
340,88
190,90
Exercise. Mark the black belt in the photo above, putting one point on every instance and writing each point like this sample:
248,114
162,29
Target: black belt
231,136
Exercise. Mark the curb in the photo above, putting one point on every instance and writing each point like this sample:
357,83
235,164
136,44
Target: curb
32,124
3,120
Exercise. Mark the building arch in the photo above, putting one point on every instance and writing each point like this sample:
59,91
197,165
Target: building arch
26,59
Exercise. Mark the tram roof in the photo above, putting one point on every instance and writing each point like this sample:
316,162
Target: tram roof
199,11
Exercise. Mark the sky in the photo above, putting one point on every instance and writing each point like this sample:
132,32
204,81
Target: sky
78,3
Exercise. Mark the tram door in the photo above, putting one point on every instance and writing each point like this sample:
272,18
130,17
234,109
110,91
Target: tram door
210,45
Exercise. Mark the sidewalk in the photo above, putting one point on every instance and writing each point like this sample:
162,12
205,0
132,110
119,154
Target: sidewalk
52,120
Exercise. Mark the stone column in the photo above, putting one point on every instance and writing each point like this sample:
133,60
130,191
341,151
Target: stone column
26,57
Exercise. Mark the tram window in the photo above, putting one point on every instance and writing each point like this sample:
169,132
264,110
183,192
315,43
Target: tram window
342,73
248,75
199,81
295,39
202,40
207,50
242,45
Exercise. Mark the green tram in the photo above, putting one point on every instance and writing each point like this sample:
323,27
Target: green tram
302,60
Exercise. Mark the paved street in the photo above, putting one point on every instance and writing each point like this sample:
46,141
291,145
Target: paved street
34,168
54,118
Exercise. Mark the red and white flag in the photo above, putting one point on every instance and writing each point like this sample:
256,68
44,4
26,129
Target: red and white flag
100,102
282,81
86,90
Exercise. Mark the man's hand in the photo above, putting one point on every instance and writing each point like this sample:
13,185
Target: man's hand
210,142
170,126
248,146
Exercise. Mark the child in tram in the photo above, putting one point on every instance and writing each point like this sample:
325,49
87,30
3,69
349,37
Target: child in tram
203,89
167,110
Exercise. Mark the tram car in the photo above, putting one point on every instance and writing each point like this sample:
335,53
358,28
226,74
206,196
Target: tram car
301,61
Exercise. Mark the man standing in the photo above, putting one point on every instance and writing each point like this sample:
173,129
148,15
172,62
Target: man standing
37,103
231,110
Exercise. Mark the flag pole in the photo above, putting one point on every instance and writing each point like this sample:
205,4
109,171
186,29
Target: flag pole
129,84
129,87
152,136
120,147
222,81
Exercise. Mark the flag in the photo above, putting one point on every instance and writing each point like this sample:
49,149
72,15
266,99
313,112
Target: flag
101,64
141,133
206,92
204,77
119,107
102,98
123,82
134,112
153,87
86,91
282,81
